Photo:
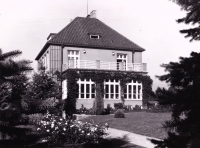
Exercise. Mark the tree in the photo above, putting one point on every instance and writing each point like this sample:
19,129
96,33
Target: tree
20,100
43,94
13,83
192,7
184,78
10,68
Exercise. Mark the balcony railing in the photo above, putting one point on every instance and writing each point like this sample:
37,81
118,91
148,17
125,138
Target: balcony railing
86,64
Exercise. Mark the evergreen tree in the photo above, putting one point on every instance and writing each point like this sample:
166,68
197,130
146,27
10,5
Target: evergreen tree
13,83
192,7
184,78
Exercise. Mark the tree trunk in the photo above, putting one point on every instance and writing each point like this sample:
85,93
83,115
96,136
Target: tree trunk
99,102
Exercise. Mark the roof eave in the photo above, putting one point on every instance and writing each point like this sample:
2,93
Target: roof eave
42,51
98,47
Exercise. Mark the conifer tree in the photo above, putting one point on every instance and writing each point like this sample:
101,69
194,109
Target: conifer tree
184,78
192,7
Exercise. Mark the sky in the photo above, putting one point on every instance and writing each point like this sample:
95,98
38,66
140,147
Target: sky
26,24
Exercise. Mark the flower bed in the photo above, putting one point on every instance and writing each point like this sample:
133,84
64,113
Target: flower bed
58,131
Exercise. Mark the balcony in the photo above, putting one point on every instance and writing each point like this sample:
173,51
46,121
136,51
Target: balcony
102,65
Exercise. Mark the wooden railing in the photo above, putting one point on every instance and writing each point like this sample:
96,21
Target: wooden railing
86,64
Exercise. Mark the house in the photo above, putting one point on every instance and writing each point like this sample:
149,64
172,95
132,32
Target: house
89,44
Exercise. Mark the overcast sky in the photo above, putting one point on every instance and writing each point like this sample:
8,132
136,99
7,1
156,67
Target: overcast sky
25,25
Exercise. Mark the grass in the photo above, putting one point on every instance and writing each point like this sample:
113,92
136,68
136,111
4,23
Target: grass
143,123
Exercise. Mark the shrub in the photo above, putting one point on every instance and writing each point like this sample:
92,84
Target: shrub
119,114
58,131
137,107
118,105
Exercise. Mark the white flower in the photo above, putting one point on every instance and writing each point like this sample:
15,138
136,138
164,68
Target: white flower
66,123
61,119
48,131
64,129
52,125
44,140
38,129
82,131
56,128
88,134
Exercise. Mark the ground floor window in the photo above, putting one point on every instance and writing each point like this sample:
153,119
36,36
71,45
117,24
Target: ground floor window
86,89
133,90
112,89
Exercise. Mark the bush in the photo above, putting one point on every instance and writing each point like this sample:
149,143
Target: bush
58,131
118,105
137,107
119,114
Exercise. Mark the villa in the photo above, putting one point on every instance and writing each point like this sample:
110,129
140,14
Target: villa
87,44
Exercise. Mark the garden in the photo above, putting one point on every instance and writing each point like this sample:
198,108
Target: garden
31,109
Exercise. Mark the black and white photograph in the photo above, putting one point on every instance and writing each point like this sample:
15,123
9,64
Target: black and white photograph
99,73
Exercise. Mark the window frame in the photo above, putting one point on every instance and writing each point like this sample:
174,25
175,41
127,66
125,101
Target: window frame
114,84
84,83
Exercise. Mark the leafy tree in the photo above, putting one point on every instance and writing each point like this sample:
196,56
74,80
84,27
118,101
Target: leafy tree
192,7
184,78
43,94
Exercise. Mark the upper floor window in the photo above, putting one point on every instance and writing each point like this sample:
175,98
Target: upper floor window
73,58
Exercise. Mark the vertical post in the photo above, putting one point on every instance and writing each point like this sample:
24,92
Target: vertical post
61,69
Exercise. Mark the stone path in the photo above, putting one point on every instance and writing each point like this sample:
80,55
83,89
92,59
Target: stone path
133,138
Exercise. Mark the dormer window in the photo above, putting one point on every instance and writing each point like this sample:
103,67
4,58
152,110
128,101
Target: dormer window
95,36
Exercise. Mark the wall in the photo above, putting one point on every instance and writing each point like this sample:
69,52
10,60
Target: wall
137,57
45,58
98,54
88,103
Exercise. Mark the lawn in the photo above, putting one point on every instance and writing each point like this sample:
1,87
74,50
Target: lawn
143,123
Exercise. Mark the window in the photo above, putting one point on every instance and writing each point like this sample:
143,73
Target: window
133,90
112,89
86,89
94,36
73,58
121,61
55,58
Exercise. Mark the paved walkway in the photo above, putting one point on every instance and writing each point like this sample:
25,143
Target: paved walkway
133,138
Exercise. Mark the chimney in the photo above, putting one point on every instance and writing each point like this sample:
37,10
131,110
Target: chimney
93,14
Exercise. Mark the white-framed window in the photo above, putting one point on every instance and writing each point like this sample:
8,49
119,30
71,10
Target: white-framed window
73,58
112,89
121,59
86,89
133,91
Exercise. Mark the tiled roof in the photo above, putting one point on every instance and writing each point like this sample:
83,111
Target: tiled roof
77,33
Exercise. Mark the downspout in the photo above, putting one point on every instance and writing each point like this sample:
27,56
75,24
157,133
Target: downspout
61,77
61,66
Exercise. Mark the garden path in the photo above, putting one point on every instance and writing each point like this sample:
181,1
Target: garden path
132,137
